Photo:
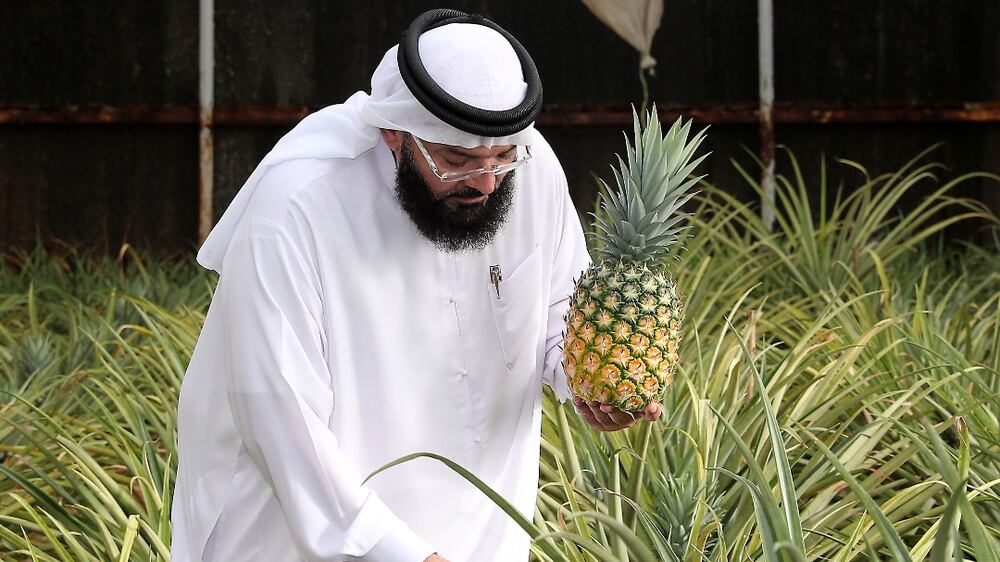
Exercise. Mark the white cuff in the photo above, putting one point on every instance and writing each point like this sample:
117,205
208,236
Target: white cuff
376,534
400,544
558,382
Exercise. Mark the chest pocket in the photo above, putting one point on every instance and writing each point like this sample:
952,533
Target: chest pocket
517,314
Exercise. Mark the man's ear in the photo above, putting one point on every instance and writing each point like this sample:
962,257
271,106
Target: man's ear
393,139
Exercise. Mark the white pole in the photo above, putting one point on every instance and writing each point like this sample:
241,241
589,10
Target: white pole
206,101
765,29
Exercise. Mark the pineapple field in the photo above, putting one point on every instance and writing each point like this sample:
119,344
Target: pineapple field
835,395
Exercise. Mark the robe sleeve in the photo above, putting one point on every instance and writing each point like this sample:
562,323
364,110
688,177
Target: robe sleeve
569,262
281,394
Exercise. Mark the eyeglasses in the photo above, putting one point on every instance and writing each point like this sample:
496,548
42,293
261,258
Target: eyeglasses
459,175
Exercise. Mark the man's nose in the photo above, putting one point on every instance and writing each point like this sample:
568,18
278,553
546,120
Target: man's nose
485,183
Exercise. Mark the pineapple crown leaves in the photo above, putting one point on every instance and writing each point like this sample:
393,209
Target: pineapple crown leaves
641,218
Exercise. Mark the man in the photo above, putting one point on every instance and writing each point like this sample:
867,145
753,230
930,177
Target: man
393,279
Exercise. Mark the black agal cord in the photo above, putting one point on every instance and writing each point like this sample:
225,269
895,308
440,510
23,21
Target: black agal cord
447,108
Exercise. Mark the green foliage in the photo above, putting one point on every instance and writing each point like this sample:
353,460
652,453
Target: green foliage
640,219
835,373
838,397
89,374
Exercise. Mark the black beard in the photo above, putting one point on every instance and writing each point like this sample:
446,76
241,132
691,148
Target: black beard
451,229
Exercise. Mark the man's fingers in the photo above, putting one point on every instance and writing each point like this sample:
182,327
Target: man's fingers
618,417
588,416
596,418
600,423
606,417
602,417
586,411
621,418
652,412
583,410
614,419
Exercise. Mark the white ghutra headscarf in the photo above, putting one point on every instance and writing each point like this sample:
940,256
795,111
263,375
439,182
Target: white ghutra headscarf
473,63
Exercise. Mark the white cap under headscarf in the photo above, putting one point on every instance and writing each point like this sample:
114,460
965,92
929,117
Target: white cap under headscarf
473,63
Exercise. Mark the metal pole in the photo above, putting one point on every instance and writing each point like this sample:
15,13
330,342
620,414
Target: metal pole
765,30
206,101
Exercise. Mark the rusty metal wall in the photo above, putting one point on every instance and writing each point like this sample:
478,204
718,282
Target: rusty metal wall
101,184
98,185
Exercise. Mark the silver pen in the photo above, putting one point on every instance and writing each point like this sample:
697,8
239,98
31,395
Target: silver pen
496,277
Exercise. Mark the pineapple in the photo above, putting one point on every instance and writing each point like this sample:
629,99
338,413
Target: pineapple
623,327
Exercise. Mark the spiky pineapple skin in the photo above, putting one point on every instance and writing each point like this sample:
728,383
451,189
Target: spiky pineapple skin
623,329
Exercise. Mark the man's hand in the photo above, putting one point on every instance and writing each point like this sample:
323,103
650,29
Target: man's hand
434,558
605,417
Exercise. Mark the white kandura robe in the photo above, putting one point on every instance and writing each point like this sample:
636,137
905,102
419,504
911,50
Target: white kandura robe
340,339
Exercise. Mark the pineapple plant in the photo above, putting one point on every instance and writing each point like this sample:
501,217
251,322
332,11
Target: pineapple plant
623,326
